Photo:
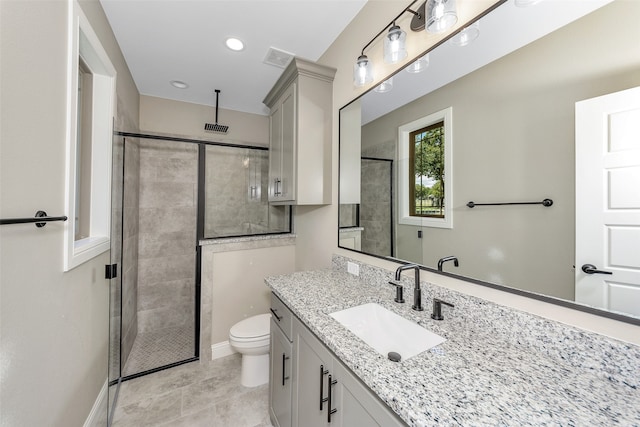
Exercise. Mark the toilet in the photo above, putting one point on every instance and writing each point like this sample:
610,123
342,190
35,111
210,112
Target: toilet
250,337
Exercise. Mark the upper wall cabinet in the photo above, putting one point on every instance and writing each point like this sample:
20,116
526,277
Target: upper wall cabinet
301,102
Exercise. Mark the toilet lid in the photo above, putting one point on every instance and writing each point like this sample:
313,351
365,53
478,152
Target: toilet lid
254,326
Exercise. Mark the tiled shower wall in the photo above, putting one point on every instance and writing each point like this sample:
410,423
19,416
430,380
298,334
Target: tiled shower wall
167,235
130,229
236,194
375,203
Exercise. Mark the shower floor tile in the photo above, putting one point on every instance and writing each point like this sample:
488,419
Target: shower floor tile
154,349
197,394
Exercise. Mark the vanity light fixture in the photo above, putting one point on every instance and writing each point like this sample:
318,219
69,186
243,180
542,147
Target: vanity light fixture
467,35
179,84
436,16
234,44
385,86
418,65
394,50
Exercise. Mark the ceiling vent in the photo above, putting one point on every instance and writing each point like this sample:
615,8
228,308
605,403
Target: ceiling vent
277,58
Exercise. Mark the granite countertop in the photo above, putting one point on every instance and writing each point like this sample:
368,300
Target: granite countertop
498,366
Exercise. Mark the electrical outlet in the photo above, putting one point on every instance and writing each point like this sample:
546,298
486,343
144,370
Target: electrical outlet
353,268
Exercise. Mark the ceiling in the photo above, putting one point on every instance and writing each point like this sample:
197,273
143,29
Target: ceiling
165,40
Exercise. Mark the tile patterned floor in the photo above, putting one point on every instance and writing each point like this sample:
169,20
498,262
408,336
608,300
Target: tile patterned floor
196,394
159,348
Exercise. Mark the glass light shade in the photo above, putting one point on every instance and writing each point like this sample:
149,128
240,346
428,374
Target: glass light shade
394,45
526,3
441,15
419,64
467,35
362,71
385,86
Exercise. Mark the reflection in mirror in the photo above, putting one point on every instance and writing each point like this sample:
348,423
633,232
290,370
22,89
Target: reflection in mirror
513,95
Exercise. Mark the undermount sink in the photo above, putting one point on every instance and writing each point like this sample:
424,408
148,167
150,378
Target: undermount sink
386,331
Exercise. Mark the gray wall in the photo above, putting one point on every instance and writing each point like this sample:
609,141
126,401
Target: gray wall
167,234
513,127
54,325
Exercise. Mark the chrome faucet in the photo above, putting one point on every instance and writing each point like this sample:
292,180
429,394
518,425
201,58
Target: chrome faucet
417,293
445,259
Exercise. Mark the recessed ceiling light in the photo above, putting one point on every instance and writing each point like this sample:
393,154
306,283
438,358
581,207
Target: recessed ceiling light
234,44
178,84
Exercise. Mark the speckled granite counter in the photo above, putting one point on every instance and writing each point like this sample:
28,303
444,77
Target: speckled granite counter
498,366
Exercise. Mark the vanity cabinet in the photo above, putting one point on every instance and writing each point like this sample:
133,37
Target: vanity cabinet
310,387
280,360
280,378
326,393
300,123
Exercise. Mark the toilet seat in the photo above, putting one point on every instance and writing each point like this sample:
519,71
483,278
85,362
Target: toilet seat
254,328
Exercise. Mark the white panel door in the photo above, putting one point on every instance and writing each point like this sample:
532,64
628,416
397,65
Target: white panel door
608,202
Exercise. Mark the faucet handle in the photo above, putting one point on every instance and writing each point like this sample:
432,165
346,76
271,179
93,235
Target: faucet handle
399,298
437,308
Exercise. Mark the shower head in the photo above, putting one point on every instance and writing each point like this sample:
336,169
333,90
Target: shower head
215,127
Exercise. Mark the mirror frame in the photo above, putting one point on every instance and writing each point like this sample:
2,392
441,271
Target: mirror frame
528,294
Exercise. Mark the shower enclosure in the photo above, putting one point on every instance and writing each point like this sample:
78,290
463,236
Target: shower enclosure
168,195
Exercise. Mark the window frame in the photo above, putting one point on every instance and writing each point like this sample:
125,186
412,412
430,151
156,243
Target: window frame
83,42
404,167
412,154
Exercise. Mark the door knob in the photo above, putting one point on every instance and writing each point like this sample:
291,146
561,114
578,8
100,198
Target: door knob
592,269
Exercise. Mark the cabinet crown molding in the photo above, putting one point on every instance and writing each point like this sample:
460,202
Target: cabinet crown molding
298,67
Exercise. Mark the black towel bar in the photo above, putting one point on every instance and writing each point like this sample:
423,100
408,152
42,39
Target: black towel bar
545,203
40,219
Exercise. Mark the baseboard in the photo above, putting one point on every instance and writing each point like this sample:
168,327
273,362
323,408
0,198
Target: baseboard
221,349
98,415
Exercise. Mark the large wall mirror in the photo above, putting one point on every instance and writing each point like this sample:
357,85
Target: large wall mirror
495,122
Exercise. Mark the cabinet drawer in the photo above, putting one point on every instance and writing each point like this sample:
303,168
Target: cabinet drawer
281,316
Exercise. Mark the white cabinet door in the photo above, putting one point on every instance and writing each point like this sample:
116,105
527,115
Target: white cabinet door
328,394
280,384
275,151
282,147
356,405
289,143
313,364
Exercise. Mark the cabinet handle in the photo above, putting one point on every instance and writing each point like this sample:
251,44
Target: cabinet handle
284,358
323,372
278,318
334,410
277,183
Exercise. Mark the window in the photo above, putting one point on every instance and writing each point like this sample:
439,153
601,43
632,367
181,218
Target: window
91,90
424,171
82,215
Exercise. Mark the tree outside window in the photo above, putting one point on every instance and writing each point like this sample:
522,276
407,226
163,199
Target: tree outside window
426,171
